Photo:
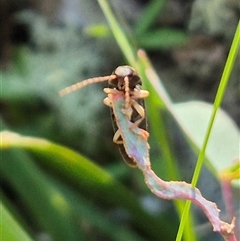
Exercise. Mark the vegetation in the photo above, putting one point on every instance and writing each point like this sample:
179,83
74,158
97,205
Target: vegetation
51,191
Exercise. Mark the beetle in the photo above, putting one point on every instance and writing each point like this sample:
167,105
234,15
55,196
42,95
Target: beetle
128,82
124,79
132,140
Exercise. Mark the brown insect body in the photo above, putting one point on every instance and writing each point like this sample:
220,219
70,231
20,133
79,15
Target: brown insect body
126,80
135,84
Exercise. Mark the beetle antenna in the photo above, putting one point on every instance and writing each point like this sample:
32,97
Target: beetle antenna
84,83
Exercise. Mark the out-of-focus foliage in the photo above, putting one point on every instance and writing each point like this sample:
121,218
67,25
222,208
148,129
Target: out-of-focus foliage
53,192
215,17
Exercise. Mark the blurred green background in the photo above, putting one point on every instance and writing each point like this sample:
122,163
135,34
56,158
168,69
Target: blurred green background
55,193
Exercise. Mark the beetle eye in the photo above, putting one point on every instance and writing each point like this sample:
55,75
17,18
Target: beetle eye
134,80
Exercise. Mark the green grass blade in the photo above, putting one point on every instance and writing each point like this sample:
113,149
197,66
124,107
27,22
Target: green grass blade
126,48
164,38
51,203
219,96
86,176
10,228
234,51
160,99
90,212
44,203
117,31
149,15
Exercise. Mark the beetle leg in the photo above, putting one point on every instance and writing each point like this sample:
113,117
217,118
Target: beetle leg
116,137
107,102
111,91
140,110
139,94
127,112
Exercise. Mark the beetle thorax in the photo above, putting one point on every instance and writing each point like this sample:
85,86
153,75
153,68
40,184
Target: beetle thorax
124,70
